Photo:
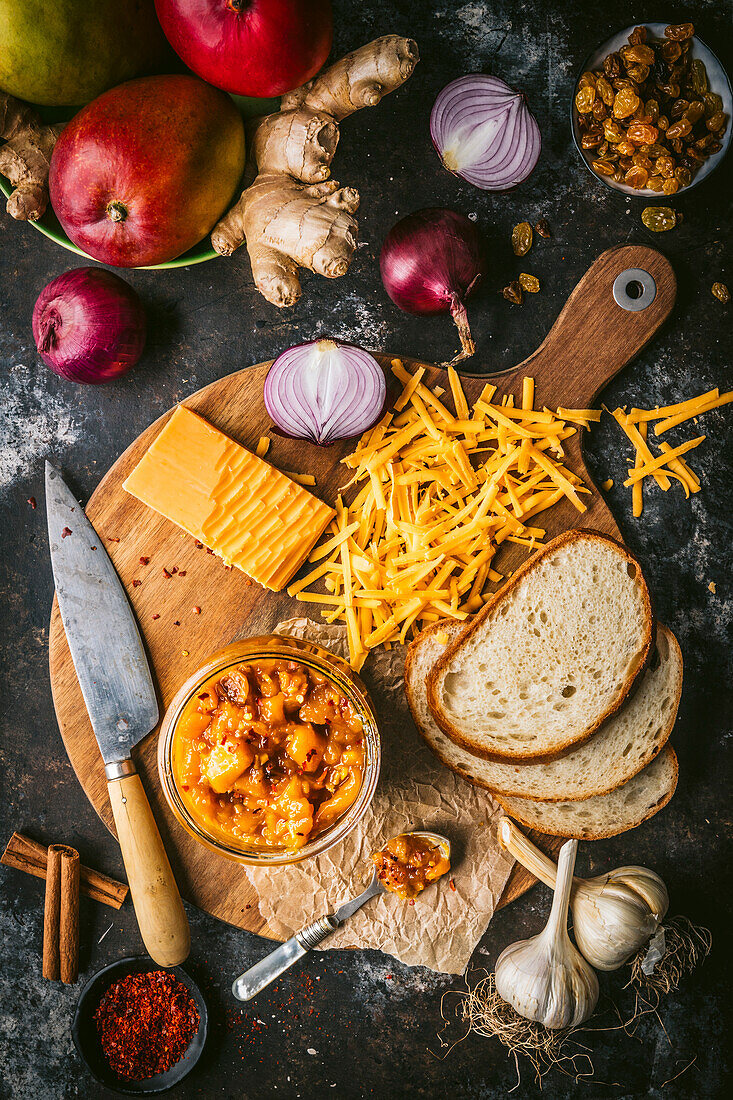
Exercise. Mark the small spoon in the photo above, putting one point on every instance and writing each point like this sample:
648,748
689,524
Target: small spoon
254,980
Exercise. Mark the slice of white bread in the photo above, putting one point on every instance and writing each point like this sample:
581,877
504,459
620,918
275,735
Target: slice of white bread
625,744
551,656
604,814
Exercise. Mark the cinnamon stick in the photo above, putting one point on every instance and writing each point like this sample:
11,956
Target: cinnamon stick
69,917
28,855
52,917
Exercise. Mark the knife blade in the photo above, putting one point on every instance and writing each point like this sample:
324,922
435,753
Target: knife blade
117,686
103,637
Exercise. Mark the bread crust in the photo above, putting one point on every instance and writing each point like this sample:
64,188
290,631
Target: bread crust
504,792
564,539
576,834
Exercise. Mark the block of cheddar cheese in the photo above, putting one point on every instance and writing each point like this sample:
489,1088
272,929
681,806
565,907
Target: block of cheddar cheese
242,508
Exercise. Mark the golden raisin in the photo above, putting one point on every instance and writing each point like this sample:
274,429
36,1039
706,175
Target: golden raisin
659,218
637,36
679,129
542,228
636,177
612,131
530,283
585,99
513,293
521,239
670,187
679,31
642,132
638,55
716,122
655,183
721,292
605,91
603,167
626,103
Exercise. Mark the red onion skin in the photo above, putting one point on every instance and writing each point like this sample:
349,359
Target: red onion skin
255,48
89,326
430,262
428,257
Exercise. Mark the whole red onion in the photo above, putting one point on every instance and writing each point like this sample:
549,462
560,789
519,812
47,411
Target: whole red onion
258,48
430,262
89,325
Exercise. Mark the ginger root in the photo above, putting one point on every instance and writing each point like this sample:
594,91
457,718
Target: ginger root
26,157
292,215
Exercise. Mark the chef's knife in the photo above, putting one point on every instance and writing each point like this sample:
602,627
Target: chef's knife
118,690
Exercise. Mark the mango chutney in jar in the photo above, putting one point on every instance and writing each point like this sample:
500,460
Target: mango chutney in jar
268,753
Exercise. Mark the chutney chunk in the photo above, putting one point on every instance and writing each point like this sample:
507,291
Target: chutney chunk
409,863
269,755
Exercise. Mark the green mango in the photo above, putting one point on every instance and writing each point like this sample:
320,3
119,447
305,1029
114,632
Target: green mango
66,52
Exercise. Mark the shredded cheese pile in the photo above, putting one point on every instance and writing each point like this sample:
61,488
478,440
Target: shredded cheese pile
439,492
670,463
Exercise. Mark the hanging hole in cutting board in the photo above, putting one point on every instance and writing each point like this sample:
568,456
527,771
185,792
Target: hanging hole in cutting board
634,289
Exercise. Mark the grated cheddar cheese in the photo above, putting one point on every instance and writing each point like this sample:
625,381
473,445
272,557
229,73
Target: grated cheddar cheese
670,463
436,494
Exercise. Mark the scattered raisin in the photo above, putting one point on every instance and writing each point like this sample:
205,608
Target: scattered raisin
530,283
522,238
719,291
513,292
542,228
659,218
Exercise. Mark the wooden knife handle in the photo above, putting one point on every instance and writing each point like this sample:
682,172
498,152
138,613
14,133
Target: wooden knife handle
158,906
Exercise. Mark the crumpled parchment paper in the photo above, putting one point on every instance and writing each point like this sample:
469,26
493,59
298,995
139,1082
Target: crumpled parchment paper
415,791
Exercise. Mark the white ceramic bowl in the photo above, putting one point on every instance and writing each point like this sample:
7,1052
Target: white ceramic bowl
717,81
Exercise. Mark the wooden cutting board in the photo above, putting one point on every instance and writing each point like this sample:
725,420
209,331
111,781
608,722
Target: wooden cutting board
592,339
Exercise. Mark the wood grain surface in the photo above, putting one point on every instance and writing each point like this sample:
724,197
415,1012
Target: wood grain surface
592,339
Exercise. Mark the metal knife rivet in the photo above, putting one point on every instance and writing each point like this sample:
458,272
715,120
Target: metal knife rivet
122,724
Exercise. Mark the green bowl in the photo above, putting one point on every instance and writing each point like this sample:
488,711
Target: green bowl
50,226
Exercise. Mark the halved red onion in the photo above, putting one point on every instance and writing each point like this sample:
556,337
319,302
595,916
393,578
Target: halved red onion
325,391
485,133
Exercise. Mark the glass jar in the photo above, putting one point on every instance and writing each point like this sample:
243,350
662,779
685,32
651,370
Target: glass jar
347,683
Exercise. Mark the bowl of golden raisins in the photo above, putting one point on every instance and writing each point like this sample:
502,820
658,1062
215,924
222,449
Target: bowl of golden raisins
651,110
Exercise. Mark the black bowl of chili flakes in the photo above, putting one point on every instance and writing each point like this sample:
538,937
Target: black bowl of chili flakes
118,1020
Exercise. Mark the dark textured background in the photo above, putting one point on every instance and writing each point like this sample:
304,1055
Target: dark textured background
359,1024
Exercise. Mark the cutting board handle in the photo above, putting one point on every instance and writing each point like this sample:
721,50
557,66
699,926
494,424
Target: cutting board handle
158,906
615,309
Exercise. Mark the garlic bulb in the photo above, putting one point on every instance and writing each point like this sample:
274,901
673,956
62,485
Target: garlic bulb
545,978
614,915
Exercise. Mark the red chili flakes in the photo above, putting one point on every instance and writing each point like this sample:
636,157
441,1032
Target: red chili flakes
32,502
197,610
387,977
110,539
228,568
198,545
144,561
176,623
166,574
182,573
66,531
136,584
156,616
209,550
452,884
145,1024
